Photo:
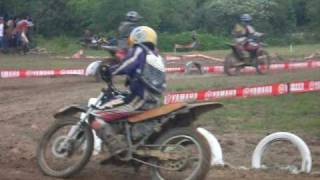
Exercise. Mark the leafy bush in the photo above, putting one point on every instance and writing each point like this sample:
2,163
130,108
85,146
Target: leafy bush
207,41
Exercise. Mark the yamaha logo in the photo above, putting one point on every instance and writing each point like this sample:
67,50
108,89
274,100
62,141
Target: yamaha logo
282,88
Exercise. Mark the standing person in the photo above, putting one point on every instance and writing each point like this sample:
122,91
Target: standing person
29,33
194,38
87,37
21,32
9,34
1,33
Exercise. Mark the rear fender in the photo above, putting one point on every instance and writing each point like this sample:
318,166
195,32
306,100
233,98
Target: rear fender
190,113
185,116
202,107
70,110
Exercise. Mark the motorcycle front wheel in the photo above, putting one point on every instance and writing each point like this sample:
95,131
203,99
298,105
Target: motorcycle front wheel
195,163
231,65
60,154
263,61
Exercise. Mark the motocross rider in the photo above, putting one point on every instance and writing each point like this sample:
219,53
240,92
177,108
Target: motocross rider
245,35
125,28
146,73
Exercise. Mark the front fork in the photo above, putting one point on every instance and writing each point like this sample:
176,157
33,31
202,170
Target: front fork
76,129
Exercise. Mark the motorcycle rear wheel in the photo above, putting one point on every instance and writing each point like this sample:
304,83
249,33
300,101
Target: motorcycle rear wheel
83,143
182,138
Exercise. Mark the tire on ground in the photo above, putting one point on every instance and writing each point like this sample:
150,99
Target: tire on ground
216,151
189,66
306,164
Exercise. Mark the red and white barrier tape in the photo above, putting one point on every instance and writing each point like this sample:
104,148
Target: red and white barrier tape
280,66
209,69
252,91
39,73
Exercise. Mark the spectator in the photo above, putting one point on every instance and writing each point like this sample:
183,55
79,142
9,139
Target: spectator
30,30
21,31
194,38
87,37
1,33
9,34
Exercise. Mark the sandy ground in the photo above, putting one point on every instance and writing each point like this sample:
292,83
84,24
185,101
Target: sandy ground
26,109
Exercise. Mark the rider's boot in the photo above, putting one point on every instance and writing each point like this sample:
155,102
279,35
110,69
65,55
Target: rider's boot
115,142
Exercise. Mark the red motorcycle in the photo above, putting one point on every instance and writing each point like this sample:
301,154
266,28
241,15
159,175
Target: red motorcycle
161,138
244,56
117,55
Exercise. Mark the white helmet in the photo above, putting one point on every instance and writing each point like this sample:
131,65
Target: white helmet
246,17
133,16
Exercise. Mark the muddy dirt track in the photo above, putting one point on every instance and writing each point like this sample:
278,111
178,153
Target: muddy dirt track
26,108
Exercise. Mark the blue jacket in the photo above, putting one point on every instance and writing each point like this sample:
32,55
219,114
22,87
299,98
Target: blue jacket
131,66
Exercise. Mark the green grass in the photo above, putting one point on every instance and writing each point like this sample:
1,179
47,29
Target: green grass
297,50
59,45
68,46
216,82
295,113
38,62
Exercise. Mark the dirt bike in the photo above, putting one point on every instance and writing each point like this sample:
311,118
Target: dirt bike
240,58
117,55
161,138
96,42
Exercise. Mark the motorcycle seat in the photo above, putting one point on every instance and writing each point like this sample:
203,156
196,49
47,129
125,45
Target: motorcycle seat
156,112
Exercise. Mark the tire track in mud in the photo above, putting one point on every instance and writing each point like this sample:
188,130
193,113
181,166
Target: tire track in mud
39,97
27,111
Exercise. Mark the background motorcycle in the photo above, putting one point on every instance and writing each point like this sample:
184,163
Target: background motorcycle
117,55
161,138
240,58
96,42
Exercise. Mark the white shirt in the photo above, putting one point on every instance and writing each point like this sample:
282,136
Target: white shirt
1,30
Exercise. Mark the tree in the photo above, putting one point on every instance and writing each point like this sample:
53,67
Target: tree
221,15
178,15
56,17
